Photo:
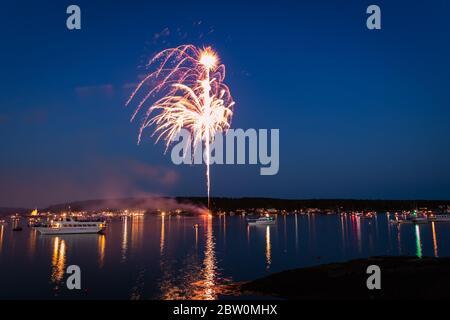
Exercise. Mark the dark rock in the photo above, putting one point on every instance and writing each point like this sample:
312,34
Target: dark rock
401,278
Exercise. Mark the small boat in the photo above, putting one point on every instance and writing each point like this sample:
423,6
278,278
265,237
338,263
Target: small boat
260,221
36,224
418,220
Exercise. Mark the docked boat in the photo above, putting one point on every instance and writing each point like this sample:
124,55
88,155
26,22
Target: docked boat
440,218
418,220
71,226
252,221
410,219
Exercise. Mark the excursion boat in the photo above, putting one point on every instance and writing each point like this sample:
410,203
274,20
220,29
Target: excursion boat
254,221
71,226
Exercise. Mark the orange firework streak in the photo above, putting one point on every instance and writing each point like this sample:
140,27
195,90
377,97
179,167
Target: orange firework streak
185,90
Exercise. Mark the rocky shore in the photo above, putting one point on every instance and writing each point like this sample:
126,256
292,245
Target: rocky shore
401,278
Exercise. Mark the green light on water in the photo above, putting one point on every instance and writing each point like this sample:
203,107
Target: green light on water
418,243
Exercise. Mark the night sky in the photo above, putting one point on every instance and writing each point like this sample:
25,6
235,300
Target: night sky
362,114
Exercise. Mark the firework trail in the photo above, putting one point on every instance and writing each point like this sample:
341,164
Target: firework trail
185,90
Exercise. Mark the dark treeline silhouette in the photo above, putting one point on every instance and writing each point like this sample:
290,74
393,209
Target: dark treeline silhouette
324,204
229,204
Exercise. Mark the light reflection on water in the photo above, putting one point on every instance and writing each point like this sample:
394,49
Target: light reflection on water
205,288
268,249
2,227
124,247
166,257
198,279
435,246
58,261
161,242
137,230
418,242
32,243
101,250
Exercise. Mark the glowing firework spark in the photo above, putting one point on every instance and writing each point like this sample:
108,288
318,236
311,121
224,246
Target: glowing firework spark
192,95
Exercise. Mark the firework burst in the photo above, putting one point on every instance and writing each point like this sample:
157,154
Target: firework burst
184,90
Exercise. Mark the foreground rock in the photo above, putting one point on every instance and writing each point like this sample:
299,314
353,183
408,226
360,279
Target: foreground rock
401,277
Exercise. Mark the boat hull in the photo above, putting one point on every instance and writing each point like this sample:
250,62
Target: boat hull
260,223
69,230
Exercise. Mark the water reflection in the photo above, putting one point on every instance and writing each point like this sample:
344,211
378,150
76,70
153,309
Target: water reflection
32,243
296,233
268,249
248,235
137,226
418,242
435,246
389,231
161,240
124,247
284,233
58,261
207,288
358,233
136,290
2,228
190,276
224,230
343,221
196,238
101,250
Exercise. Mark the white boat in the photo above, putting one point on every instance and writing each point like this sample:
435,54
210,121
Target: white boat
440,218
71,226
261,221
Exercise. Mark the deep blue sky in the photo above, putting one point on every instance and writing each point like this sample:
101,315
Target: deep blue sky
362,114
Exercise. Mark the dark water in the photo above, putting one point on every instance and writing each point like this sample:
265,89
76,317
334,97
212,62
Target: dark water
166,258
